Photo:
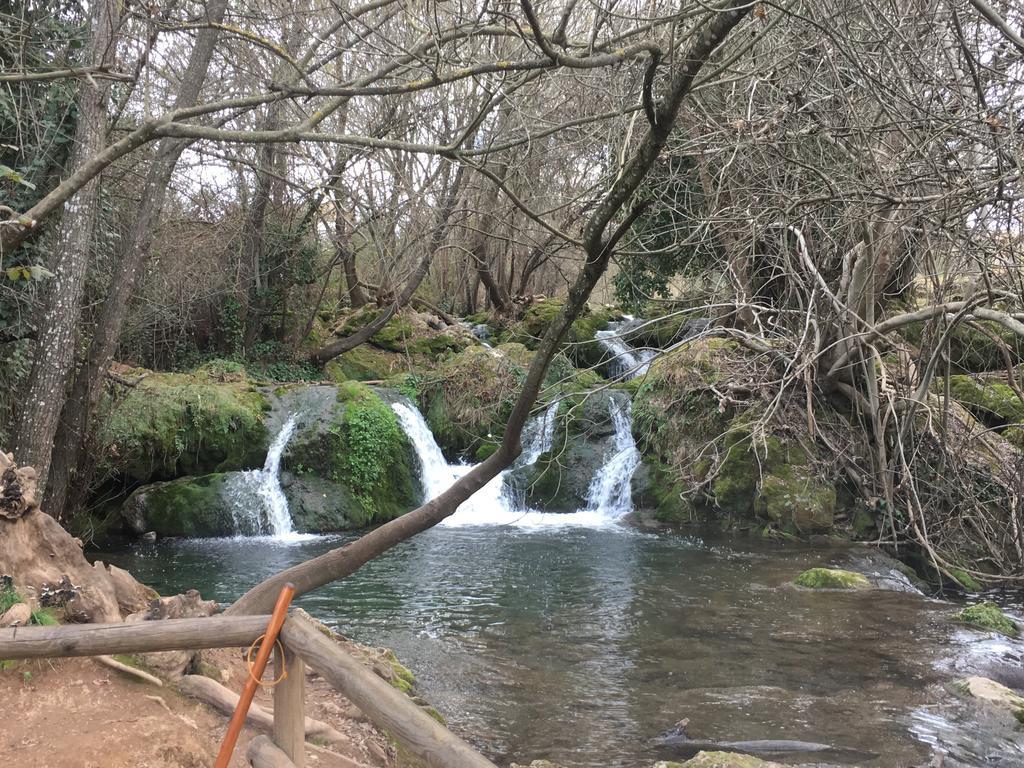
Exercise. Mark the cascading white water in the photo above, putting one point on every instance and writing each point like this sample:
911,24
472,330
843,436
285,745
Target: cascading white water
259,504
538,435
494,504
610,491
626,362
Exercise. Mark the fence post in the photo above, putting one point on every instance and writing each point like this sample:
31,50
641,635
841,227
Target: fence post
289,709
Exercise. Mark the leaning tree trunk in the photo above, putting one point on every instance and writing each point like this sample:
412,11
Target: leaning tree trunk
598,247
55,350
80,411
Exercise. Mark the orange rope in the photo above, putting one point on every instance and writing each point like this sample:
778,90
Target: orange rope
252,663
255,673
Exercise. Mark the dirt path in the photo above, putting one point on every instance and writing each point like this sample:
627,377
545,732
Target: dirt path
77,713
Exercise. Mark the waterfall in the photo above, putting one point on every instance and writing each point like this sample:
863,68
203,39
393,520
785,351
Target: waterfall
626,362
610,491
494,504
538,435
259,504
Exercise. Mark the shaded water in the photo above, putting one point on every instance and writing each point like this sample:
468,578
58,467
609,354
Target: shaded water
579,645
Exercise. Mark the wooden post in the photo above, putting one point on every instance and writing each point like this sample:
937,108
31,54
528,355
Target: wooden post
386,707
289,709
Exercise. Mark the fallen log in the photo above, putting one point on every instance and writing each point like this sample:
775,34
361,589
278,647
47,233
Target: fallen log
224,699
263,753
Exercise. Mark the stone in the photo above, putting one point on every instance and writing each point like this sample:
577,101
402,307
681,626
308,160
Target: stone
18,615
993,693
537,764
988,615
831,578
721,760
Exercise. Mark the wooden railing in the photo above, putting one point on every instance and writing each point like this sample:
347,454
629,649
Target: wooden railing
303,644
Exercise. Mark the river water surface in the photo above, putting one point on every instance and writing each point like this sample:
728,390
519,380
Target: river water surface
580,644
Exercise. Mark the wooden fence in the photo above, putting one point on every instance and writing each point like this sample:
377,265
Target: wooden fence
303,644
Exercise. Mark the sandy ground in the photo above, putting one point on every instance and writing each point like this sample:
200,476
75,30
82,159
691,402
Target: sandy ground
77,713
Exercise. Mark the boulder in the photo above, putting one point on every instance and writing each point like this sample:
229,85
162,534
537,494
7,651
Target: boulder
18,615
995,694
988,615
713,445
44,560
832,578
721,760
188,506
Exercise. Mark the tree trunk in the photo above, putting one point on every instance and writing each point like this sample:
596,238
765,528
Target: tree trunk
80,411
437,238
343,561
55,350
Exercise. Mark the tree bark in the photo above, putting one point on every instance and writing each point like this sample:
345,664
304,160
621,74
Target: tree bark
343,561
55,350
80,411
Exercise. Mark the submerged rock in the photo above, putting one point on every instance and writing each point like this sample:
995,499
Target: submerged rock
721,760
989,616
831,578
993,693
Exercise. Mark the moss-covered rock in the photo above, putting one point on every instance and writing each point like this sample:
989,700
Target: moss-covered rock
730,456
188,506
174,424
468,399
994,403
409,333
580,343
360,447
988,615
366,363
971,350
583,441
831,578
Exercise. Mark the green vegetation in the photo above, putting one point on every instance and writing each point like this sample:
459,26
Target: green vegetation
831,578
965,580
735,457
9,597
174,424
988,615
363,451
580,346
992,402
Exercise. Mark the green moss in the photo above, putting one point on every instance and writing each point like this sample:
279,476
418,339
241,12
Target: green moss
364,450
188,506
993,402
831,578
9,597
965,580
989,616
184,424
468,398
580,344
365,363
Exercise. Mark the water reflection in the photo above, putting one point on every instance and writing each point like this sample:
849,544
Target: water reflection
581,645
